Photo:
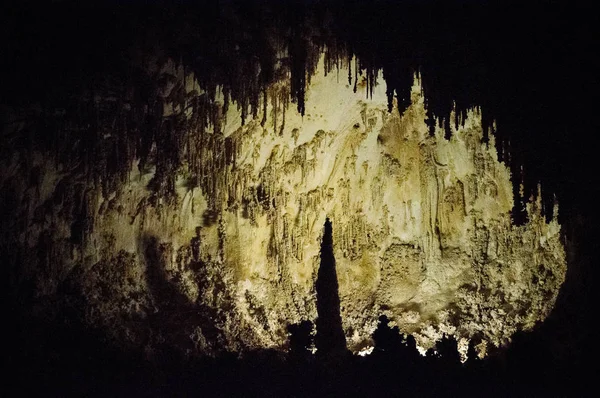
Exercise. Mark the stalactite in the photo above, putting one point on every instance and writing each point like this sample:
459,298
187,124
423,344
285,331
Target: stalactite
355,73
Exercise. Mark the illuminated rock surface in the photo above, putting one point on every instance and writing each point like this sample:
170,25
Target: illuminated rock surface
221,251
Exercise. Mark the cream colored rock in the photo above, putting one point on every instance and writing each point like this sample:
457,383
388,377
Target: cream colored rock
422,230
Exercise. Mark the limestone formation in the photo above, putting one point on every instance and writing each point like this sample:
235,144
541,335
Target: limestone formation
206,234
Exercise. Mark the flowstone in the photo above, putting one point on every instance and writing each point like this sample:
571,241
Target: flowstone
220,249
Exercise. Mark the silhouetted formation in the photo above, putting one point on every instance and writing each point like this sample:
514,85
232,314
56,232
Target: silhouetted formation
330,335
301,338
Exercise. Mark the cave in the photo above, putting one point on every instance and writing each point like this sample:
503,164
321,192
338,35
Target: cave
298,198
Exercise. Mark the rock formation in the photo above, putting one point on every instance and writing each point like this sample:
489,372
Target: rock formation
201,227
330,337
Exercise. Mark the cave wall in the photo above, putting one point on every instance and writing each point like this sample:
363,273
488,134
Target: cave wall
200,226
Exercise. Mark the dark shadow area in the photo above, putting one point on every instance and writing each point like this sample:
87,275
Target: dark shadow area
301,339
76,361
175,315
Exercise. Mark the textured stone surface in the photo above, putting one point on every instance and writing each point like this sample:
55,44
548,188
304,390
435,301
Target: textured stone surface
222,250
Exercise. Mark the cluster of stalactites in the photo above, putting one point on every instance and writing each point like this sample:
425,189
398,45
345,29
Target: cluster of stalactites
446,108
172,119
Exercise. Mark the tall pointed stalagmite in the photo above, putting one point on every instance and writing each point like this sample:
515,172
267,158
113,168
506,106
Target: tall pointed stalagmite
330,337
